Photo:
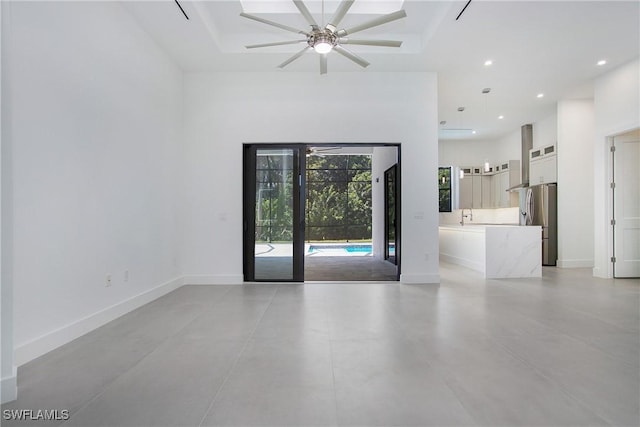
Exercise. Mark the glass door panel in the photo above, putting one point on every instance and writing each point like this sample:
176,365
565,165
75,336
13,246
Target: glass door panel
273,229
274,216
390,196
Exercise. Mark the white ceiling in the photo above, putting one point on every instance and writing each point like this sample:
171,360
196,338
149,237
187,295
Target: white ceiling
548,47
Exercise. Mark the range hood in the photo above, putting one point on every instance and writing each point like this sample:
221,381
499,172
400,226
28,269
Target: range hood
526,144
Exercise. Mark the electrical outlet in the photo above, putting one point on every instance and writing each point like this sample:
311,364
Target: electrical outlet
107,280
126,275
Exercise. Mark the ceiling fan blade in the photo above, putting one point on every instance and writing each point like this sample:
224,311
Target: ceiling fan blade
342,10
384,43
274,24
323,63
294,57
253,46
352,56
305,12
384,19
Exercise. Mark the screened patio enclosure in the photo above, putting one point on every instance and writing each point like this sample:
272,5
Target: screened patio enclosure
319,213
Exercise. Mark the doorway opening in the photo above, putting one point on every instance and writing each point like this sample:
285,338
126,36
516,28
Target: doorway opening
321,212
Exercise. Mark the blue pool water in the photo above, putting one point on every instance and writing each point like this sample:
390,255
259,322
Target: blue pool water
359,248
348,248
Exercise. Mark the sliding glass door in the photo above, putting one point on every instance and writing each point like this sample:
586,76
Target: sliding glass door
273,231
391,214
274,190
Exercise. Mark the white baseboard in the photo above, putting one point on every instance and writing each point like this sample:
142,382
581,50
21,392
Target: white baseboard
575,263
601,273
213,279
420,278
30,350
9,387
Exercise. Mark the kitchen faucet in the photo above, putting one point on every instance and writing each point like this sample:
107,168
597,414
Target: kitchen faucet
463,216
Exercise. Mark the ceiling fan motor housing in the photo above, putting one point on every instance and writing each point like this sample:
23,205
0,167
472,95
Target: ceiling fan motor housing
322,36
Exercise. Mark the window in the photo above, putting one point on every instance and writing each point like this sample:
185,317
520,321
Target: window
444,188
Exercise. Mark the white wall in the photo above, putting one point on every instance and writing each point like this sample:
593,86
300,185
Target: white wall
225,110
96,122
617,110
468,153
509,146
545,131
475,153
575,178
9,386
382,159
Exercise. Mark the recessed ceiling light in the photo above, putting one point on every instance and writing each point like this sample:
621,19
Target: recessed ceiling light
540,95
488,63
461,109
501,117
486,90
443,122
602,62
473,132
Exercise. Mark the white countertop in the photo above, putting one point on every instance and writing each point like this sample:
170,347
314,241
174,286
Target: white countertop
476,227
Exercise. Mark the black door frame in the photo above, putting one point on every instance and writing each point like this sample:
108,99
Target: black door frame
249,213
393,169
249,189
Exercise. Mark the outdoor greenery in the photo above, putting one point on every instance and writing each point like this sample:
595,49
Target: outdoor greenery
274,196
444,188
338,198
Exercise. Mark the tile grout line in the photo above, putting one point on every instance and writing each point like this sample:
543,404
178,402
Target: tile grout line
237,359
574,309
331,352
578,338
111,383
559,384
447,381
441,373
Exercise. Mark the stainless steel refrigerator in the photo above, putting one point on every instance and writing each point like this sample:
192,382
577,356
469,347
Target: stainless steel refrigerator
541,208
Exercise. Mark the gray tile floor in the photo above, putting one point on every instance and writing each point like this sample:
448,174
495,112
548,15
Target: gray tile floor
327,268
350,268
558,351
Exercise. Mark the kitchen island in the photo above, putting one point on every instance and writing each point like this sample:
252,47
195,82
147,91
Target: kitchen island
497,251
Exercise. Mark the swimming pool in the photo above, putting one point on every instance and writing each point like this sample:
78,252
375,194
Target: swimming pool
342,249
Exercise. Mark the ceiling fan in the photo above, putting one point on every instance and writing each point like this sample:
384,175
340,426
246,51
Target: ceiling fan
329,38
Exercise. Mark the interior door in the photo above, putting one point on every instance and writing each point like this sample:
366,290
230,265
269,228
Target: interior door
391,213
273,232
626,205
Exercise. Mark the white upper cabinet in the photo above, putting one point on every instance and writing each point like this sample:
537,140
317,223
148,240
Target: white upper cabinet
488,189
471,188
543,165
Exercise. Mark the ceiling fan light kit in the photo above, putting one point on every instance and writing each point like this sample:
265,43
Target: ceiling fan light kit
329,38
322,41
